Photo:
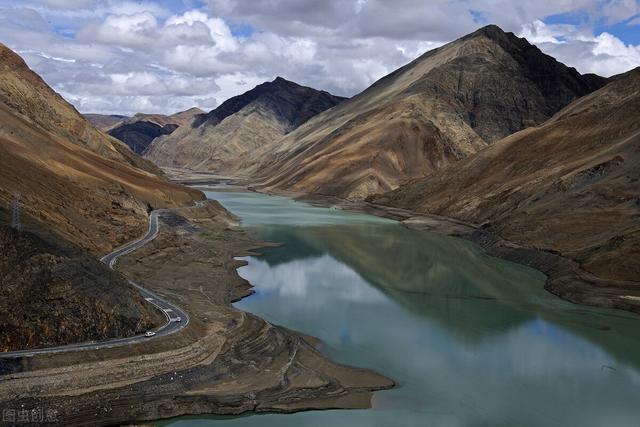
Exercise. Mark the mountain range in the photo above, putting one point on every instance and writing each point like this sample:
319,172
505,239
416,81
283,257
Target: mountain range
141,129
228,139
441,108
486,129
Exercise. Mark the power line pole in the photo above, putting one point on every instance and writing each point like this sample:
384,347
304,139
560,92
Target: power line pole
15,220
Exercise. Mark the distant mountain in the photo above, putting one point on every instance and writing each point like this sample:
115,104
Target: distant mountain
439,109
103,121
139,130
82,194
226,139
570,185
138,135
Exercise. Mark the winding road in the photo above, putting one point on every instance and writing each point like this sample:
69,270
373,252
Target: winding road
171,311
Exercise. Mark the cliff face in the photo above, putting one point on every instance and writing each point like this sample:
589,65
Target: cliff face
439,109
570,185
228,139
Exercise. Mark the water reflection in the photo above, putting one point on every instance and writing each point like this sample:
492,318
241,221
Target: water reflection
471,339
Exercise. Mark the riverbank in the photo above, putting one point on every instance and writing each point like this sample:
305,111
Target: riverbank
224,362
565,277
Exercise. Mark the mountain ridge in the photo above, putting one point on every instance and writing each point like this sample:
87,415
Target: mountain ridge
568,186
225,139
442,107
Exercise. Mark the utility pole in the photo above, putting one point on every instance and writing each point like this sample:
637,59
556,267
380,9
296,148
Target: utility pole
15,220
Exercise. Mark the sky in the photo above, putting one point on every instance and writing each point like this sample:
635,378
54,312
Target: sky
164,56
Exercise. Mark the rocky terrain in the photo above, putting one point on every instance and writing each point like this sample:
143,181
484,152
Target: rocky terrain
568,187
225,362
439,109
227,140
82,194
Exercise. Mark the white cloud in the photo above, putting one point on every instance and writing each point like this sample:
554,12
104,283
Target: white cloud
604,54
155,56
68,4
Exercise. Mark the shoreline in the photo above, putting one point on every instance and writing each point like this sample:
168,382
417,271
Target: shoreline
565,278
225,362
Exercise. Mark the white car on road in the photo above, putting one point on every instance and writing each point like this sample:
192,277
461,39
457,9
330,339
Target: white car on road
149,334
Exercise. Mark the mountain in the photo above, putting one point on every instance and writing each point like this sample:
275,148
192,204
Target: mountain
138,135
444,106
138,131
104,122
24,92
569,186
226,139
82,194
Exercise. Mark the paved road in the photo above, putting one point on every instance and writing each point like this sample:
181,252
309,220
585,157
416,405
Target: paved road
171,311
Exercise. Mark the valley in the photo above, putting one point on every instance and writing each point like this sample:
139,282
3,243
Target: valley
455,244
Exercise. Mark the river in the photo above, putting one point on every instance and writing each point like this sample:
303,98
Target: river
470,339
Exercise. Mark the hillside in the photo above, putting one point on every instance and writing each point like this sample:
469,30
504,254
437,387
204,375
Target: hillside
227,139
24,92
439,109
81,196
569,186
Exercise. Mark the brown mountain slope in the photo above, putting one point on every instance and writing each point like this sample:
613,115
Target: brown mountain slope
571,185
96,202
227,139
442,107
25,93
76,205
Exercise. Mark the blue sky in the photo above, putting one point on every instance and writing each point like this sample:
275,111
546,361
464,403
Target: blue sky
124,56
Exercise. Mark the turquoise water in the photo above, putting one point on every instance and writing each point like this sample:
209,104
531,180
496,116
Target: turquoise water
471,340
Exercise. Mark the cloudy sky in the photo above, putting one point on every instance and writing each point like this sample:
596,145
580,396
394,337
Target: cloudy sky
120,56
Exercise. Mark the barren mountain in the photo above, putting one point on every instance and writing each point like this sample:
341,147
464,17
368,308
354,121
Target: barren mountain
439,109
138,131
107,122
25,93
81,195
569,186
227,139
